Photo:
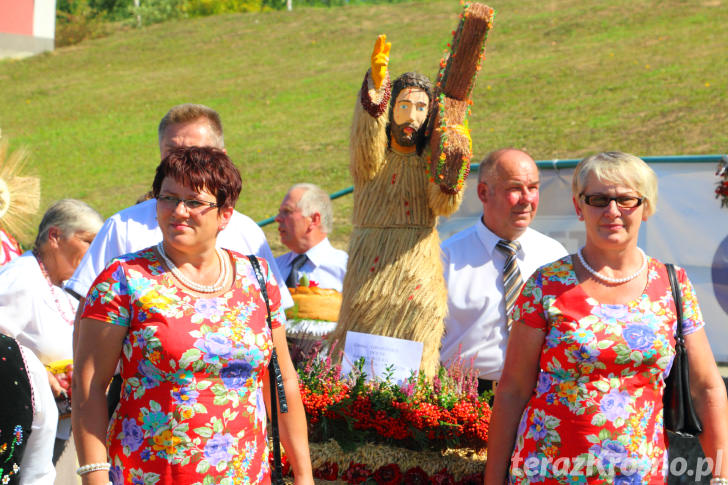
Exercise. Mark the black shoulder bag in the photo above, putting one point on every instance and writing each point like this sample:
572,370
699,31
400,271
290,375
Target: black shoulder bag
679,415
276,384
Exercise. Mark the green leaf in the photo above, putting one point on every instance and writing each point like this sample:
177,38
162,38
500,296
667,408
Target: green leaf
217,426
219,389
202,385
199,408
636,356
205,432
602,386
604,434
599,419
220,400
592,438
604,344
190,356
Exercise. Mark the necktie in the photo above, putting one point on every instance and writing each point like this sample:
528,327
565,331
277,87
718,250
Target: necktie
298,262
511,274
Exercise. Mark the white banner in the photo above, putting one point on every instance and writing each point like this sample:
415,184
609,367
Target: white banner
689,229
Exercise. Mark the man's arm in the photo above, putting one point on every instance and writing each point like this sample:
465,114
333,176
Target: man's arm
368,141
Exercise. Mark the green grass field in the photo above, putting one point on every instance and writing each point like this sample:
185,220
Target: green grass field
561,79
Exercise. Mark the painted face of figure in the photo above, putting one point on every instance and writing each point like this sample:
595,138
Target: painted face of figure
196,133
409,115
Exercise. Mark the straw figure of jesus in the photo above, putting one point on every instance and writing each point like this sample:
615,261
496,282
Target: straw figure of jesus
394,283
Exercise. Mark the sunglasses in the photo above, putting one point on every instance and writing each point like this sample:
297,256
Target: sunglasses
623,201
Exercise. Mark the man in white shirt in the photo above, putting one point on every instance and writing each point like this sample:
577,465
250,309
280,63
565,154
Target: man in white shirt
304,219
482,275
136,228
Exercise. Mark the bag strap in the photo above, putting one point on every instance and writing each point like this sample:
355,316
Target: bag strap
278,393
677,298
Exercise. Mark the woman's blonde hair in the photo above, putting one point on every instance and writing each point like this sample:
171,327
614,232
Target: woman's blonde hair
620,168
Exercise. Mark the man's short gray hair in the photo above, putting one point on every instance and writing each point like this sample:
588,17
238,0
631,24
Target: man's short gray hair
313,200
70,216
486,169
188,112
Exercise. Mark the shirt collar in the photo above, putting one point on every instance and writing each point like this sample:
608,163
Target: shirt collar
489,239
318,253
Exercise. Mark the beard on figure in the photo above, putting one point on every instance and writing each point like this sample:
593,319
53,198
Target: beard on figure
407,134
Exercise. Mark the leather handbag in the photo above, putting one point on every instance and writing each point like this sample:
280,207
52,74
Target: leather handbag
276,384
679,414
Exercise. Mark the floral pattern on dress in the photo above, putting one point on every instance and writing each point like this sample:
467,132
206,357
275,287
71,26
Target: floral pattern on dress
192,408
596,413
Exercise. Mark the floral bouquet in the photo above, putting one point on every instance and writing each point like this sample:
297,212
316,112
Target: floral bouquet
373,429
721,191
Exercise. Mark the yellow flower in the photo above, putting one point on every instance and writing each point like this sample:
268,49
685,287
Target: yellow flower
167,441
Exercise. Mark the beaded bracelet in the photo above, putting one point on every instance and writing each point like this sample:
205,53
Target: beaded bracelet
92,467
719,481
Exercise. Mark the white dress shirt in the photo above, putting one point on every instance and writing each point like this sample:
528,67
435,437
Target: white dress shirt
136,228
326,265
35,313
476,320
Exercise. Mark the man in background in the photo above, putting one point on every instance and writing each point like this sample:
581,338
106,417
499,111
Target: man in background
305,219
486,264
136,228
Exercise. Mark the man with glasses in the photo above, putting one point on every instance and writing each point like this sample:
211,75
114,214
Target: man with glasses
136,227
486,264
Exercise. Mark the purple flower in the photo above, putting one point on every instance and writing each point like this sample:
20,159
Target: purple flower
610,312
538,428
145,454
638,337
185,396
133,434
633,479
116,476
614,405
151,377
522,425
611,452
217,448
586,355
209,307
215,346
544,383
235,373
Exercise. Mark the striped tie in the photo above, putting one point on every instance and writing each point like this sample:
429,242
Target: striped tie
512,280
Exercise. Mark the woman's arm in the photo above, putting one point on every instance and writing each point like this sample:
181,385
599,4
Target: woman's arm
709,395
97,353
520,373
292,425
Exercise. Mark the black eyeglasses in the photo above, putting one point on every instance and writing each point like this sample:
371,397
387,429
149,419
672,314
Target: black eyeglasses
623,201
191,204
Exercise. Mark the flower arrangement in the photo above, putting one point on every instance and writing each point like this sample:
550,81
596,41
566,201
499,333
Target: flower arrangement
721,191
443,414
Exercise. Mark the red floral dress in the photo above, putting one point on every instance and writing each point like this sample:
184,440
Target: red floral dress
192,408
595,415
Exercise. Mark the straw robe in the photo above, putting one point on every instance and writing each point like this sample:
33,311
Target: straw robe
394,284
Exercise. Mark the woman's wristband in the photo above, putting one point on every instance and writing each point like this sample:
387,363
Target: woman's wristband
92,467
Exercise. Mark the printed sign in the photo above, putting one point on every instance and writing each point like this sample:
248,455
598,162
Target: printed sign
380,353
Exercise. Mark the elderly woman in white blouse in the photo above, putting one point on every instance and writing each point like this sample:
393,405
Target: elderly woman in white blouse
34,308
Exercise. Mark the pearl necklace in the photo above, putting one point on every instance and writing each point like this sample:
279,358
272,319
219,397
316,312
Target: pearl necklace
214,288
608,279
